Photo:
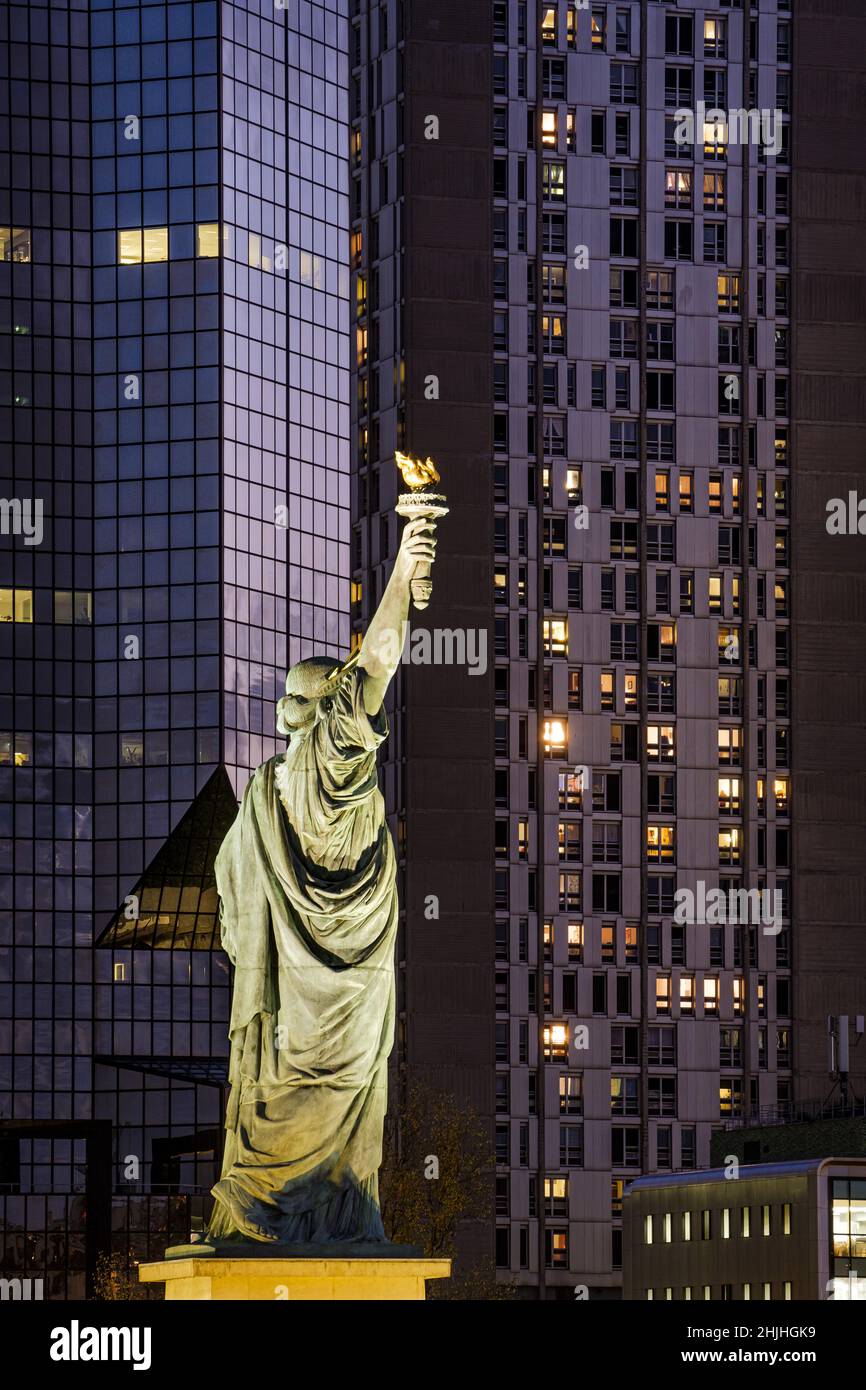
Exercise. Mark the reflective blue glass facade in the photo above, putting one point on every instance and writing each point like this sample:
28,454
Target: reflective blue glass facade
174,389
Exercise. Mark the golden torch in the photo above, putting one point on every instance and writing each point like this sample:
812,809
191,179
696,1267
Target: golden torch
417,504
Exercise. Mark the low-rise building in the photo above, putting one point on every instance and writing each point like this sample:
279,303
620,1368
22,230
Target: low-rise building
777,1231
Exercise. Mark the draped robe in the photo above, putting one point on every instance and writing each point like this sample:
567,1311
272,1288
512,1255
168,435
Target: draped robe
307,882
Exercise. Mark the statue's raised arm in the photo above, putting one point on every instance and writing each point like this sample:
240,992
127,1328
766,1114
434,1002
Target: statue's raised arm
383,641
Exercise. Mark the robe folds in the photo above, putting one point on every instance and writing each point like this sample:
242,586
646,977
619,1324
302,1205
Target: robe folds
308,914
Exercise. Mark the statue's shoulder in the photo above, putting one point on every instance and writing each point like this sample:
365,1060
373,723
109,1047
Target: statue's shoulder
265,773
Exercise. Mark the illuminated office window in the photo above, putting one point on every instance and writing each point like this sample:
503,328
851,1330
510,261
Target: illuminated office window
73,606
132,750
660,842
16,605
556,636
687,994
154,244
16,750
135,245
15,244
207,239
555,1037
254,251
555,737
129,246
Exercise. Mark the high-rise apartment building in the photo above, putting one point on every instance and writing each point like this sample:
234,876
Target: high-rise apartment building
573,257
174,287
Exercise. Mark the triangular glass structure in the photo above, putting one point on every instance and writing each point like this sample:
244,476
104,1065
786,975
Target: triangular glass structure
177,898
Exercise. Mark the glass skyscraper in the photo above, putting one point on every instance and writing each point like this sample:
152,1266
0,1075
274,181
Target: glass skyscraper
174,285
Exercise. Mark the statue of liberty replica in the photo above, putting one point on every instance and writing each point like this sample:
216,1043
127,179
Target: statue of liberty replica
307,882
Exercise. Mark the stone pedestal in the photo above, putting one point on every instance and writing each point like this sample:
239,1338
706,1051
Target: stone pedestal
325,1279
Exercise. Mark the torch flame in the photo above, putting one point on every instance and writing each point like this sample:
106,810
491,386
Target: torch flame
415,473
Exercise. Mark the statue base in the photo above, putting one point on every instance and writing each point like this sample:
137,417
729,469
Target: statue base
327,1274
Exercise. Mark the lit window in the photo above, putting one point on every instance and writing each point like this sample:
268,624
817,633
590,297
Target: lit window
555,1036
687,994
660,742
555,736
556,1196
667,1234
711,996
16,750
663,994
715,138
548,24
729,795
780,793
726,1223
15,244
556,636
739,996
119,973
730,742
16,605
73,607
575,941
548,129
660,842
254,253
728,293
155,244
129,246
132,750
553,180
648,1230
208,239
687,1225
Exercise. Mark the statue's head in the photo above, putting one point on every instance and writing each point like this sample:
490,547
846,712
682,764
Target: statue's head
306,684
